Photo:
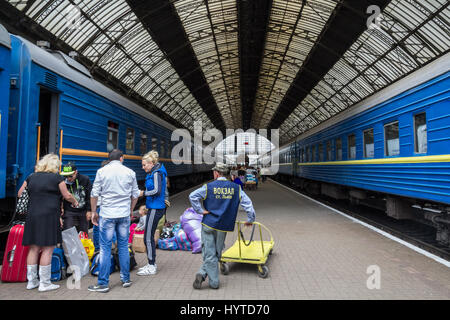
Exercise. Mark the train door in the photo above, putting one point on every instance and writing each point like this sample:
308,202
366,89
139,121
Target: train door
48,122
293,153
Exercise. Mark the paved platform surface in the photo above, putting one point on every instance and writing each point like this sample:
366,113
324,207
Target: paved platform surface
318,254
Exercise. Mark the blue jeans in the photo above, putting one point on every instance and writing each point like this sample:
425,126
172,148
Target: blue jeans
96,236
120,226
213,242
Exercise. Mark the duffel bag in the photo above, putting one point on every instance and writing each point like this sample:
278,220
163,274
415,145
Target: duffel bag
96,261
183,240
168,244
133,262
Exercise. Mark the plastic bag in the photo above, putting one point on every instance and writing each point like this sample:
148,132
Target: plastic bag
191,223
75,253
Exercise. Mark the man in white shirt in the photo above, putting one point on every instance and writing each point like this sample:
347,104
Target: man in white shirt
117,186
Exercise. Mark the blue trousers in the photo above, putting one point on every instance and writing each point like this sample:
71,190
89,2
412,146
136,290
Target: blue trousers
96,236
213,242
120,226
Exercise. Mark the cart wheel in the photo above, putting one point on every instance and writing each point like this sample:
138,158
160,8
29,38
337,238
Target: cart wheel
224,268
263,271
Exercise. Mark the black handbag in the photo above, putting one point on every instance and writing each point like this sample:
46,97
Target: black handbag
22,202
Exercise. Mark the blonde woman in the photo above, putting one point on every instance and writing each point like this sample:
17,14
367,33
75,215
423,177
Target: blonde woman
155,184
42,226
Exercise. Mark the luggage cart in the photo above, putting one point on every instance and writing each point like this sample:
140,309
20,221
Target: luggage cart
253,252
250,185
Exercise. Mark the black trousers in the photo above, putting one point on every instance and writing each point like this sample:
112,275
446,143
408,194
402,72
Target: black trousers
77,220
153,217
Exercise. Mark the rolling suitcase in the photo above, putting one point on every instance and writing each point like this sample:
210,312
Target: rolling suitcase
14,267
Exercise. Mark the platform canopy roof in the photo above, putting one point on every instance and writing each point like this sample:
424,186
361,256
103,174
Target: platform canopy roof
287,64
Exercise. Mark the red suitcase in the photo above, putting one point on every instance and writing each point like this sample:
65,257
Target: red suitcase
14,268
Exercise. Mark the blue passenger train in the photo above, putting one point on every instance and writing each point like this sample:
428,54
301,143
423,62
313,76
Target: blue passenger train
393,146
55,105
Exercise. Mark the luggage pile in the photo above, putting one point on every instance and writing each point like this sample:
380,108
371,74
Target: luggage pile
76,256
185,235
72,254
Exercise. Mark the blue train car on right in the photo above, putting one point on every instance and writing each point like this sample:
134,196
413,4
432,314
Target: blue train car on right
393,146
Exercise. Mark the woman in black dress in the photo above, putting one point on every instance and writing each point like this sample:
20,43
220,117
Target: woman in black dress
42,225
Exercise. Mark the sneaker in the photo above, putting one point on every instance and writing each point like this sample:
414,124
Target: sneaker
144,267
148,270
98,288
126,284
198,281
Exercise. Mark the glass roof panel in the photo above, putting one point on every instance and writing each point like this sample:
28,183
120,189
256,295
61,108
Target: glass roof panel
288,43
110,35
213,32
411,35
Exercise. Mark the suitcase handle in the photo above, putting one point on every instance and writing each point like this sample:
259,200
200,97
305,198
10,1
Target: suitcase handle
10,256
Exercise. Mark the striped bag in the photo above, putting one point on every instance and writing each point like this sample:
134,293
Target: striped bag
183,240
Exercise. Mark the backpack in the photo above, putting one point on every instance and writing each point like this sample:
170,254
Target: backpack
96,261
59,265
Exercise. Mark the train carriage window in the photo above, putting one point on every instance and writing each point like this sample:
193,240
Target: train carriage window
314,156
169,149
143,147
352,146
309,154
302,154
420,133
162,154
329,155
321,152
391,138
368,144
339,149
154,143
129,146
113,136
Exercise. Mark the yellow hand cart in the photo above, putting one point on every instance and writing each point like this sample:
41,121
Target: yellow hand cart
253,252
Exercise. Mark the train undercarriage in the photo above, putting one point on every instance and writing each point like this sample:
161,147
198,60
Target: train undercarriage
436,215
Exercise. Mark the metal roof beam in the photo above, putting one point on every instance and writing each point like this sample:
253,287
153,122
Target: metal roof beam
167,31
253,18
18,23
338,34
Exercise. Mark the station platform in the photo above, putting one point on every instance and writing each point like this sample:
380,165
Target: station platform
318,254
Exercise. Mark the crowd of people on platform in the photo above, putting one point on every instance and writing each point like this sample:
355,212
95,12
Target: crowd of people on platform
66,199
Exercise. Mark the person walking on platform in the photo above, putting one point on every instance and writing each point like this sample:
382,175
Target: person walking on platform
221,200
238,181
80,187
155,184
42,227
117,186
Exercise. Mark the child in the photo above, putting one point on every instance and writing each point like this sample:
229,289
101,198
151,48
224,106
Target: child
142,212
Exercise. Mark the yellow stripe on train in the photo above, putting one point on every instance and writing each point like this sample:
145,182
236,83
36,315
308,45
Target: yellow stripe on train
97,154
424,159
